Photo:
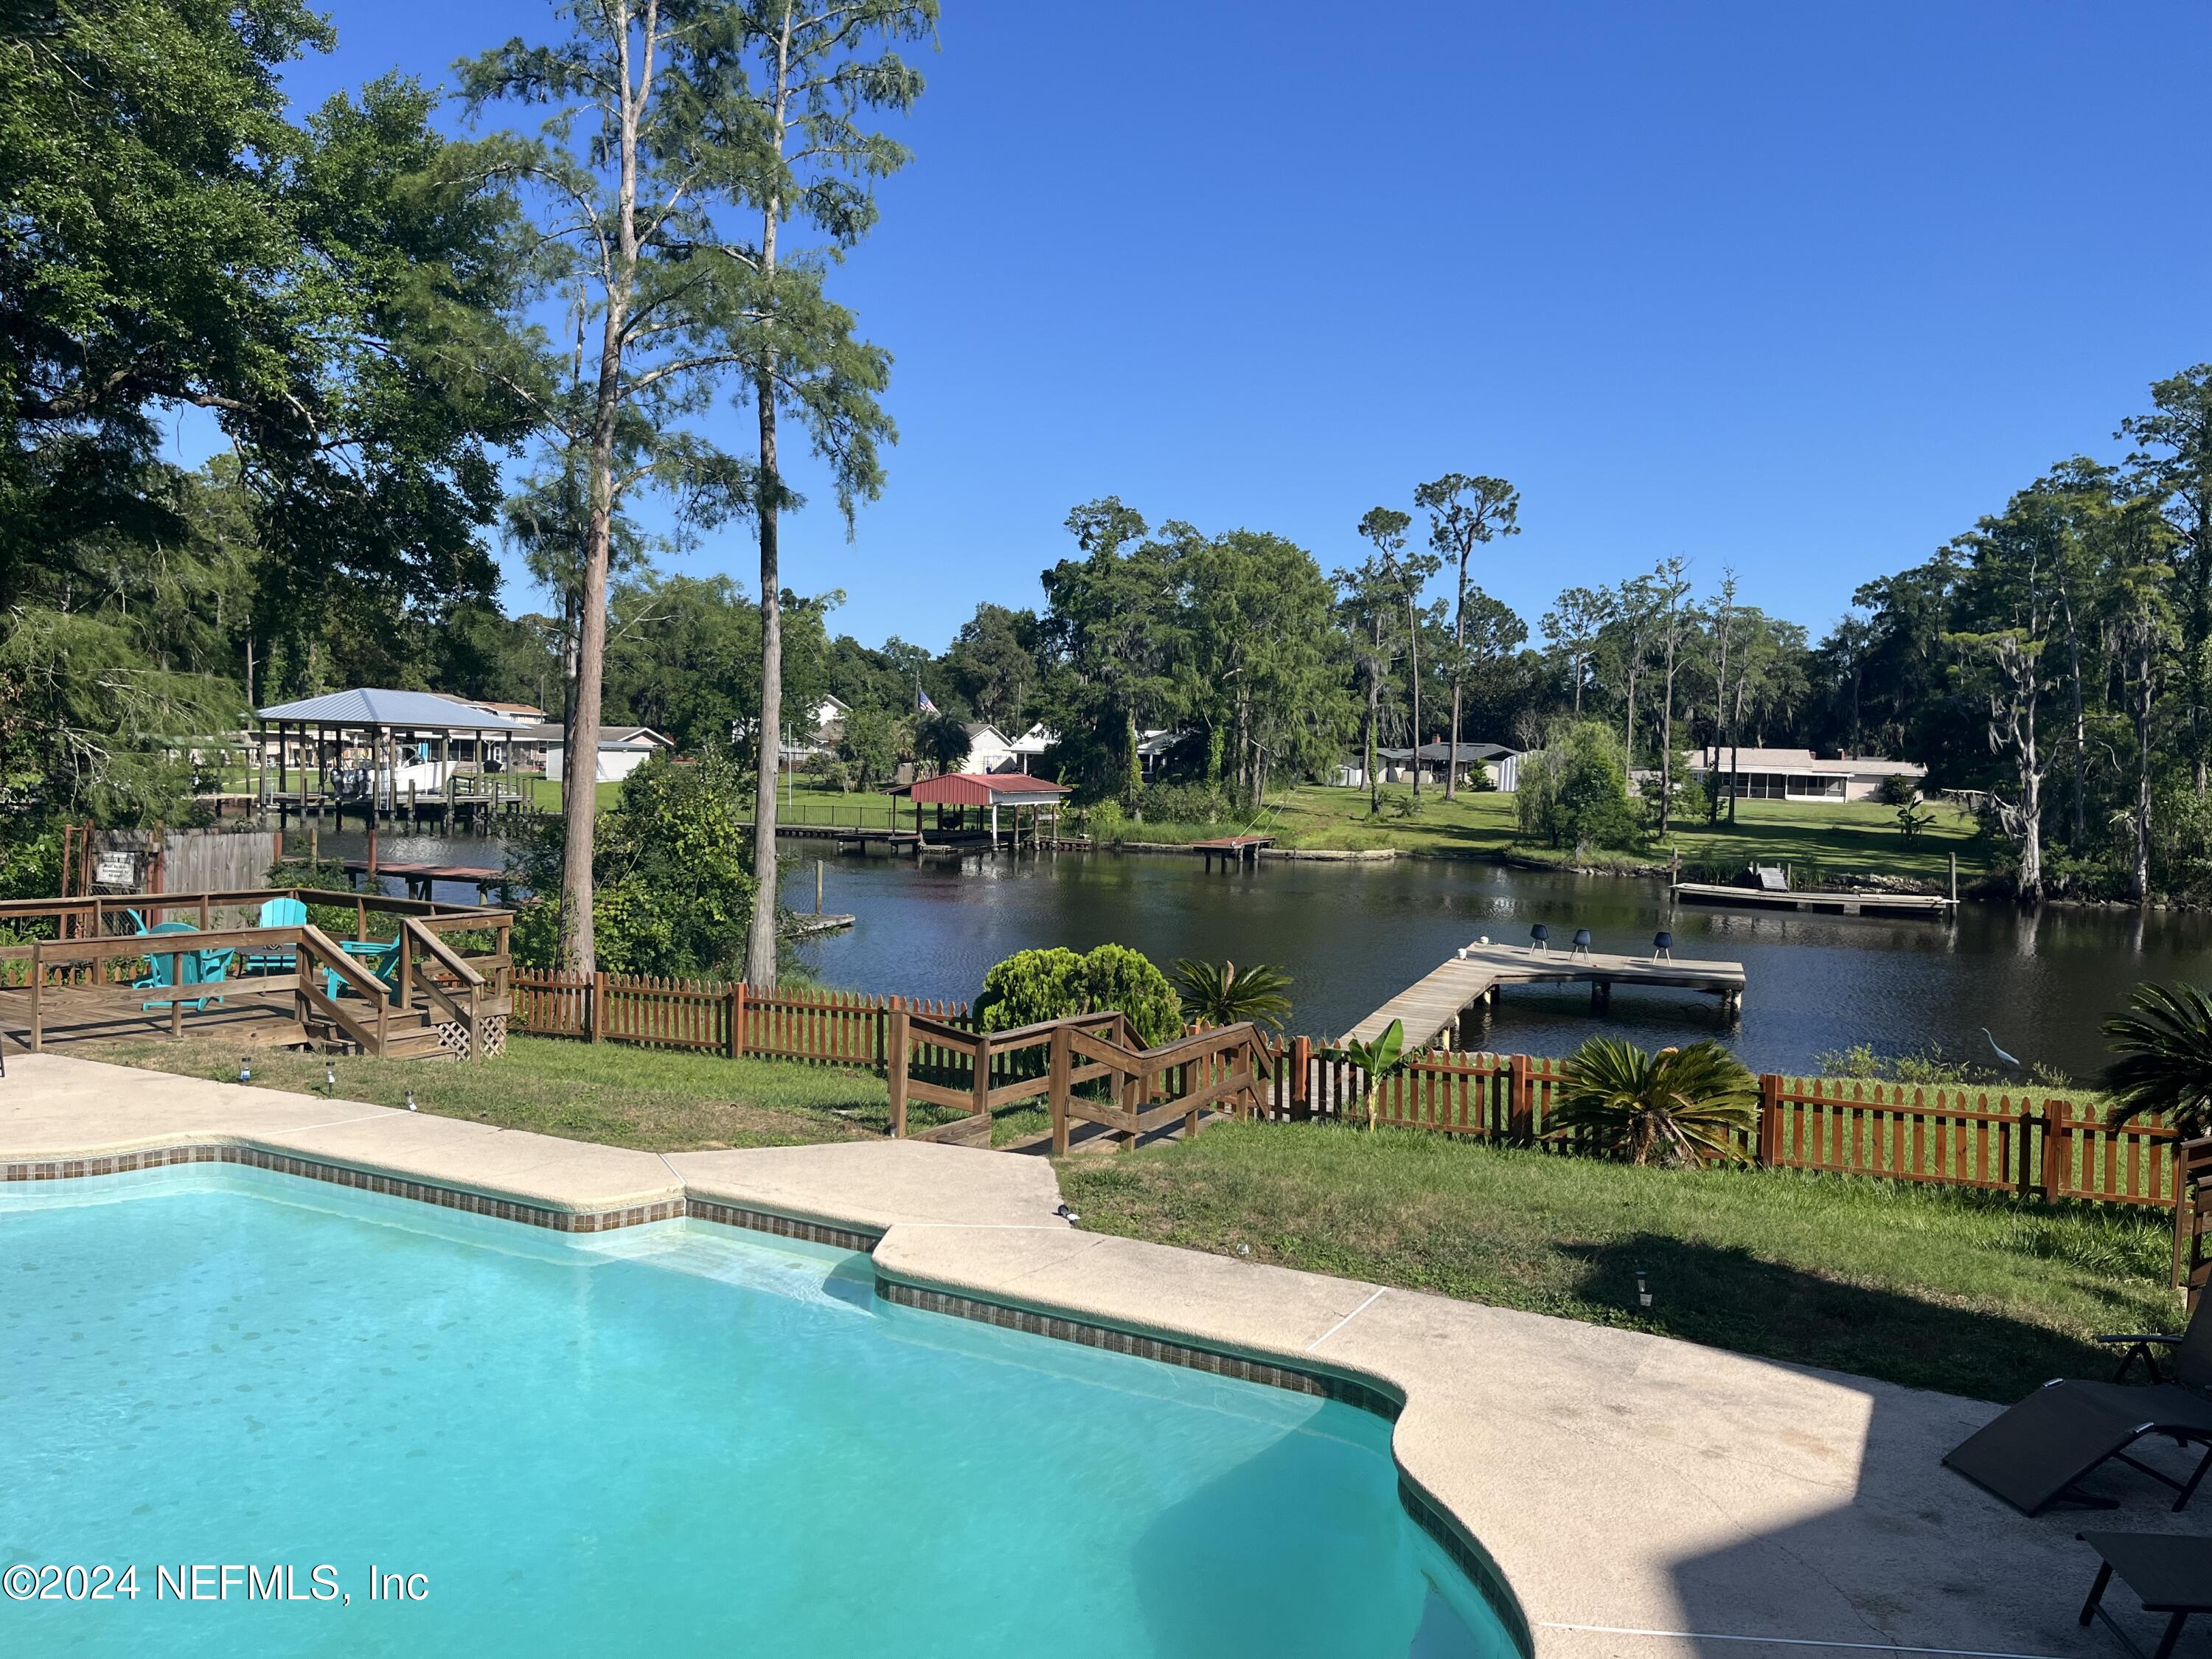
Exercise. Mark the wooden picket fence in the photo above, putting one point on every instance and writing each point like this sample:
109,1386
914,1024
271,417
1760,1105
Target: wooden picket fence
830,1028
2003,1140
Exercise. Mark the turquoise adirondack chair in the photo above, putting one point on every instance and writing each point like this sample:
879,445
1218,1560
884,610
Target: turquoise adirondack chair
379,957
172,970
276,913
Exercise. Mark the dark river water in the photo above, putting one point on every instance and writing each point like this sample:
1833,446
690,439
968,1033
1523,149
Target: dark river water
1352,935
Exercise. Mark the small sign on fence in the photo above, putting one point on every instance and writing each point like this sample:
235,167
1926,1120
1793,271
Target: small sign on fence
116,870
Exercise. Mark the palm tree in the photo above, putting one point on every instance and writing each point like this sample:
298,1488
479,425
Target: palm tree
942,742
1222,994
2165,1047
1683,1106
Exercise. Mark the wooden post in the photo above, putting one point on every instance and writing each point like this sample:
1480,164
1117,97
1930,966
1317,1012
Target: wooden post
38,985
895,1061
205,922
818,887
737,1040
1521,1107
1301,1100
2058,1149
598,1026
359,917
1954,878
980,1088
1769,1152
404,980
372,849
1063,1062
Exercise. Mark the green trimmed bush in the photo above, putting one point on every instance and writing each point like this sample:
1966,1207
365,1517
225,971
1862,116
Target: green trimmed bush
1030,985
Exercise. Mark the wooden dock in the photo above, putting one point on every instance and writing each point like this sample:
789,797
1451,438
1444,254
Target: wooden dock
1233,850
417,878
1930,906
1474,976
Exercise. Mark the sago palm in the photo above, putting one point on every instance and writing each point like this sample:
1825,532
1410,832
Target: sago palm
1222,994
2164,1042
1678,1106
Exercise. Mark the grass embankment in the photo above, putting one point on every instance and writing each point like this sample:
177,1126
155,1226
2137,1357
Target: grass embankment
1975,1294
654,1099
1856,838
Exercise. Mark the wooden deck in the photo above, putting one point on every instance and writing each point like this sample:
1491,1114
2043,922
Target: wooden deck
1476,974
1928,905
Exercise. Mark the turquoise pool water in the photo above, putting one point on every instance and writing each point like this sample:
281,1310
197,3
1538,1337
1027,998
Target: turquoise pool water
675,1438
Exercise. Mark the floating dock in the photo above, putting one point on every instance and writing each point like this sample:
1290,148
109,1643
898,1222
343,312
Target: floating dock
1927,905
1474,976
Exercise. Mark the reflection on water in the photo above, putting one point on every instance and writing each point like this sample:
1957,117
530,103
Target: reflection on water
1351,934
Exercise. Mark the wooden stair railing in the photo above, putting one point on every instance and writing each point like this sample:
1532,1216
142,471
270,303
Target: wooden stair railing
1149,1087
465,1010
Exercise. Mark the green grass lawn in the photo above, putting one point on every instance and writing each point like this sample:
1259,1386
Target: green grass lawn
658,1100
1845,839
1975,1294
1979,1294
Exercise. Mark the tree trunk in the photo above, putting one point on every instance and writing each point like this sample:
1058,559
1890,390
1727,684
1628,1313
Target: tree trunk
1459,676
760,937
1374,714
1666,745
1413,660
2080,731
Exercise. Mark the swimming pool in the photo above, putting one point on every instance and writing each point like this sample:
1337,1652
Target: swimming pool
673,1434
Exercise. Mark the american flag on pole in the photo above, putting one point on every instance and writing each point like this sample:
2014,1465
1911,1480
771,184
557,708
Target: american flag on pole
921,702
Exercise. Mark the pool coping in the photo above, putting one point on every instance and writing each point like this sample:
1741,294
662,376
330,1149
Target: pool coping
1608,1492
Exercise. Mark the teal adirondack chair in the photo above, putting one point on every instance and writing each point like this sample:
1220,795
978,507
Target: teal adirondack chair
172,970
276,913
379,957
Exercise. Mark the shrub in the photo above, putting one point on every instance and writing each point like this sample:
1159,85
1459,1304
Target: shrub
1184,803
2163,1045
1678,1106
672,876
1222,994
1030,985
1898,790
1574,791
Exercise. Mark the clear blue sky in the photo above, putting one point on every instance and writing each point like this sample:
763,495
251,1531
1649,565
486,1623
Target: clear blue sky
1799,289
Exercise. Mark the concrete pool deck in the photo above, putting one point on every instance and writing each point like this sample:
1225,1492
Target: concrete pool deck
1642,1496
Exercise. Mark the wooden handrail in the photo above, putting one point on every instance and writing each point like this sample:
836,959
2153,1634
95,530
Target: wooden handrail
442,953
327,950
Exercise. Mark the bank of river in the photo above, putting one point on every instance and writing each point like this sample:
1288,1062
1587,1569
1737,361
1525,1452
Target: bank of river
1351,933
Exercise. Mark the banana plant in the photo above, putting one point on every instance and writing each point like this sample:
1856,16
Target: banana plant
1378,1060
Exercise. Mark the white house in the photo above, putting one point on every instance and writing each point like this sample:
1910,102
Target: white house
1500,764
989,749
1033,743
1799,775
622,750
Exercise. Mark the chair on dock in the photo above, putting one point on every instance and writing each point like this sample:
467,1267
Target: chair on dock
379,957
1540,938
1662,946
171,971
1581,947
2034,1454
276,913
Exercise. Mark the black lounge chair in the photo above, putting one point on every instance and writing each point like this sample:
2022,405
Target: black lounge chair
2034,1454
